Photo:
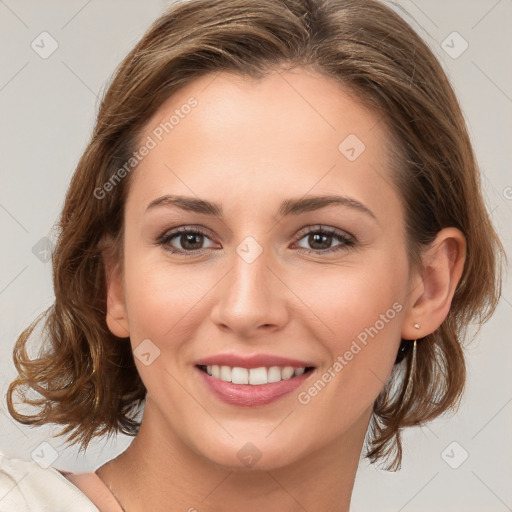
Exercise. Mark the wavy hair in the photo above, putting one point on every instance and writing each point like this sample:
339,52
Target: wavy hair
85,377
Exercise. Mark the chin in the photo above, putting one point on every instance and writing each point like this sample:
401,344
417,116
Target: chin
250,458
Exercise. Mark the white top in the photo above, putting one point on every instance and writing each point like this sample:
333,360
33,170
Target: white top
27,487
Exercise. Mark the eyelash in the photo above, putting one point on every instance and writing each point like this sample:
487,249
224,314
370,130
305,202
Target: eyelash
348,241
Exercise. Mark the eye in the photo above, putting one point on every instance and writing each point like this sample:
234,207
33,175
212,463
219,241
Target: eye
320,239
189,241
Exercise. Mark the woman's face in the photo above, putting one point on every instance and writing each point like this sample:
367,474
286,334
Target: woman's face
242,166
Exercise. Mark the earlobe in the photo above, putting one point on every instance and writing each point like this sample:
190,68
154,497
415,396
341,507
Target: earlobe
443,264
116,317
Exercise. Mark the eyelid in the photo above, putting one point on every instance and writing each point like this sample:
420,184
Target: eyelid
328,229
187,228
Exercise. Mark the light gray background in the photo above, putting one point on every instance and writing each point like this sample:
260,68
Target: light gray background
48,109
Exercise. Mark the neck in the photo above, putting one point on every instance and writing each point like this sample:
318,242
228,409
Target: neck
158,472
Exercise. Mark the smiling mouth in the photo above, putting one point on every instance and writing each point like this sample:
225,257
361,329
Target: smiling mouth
253,376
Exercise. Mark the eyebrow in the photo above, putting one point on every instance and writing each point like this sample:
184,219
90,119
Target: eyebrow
288,207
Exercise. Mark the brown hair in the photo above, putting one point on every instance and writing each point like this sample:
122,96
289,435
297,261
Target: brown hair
86,377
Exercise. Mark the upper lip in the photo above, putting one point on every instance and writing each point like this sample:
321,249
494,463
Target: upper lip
252,361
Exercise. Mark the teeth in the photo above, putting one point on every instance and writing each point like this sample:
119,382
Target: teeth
238,375
287,372
257,376
225,373
253,376
274,374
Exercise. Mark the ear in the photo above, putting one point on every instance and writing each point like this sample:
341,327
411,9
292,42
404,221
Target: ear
116,317
433,288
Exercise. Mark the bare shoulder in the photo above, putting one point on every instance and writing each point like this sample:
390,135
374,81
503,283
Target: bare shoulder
94,488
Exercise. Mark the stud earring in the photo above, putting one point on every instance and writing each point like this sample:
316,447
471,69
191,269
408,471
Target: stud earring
416,325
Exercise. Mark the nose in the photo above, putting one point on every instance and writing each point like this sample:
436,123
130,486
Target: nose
251,299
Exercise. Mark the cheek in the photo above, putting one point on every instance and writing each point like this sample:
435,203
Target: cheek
361,311
351,299
161,296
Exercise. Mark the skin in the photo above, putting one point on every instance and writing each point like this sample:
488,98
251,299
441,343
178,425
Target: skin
249,145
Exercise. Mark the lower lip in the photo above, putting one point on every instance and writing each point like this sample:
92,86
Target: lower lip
249,395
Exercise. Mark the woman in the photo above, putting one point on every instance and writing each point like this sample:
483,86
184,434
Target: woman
274,242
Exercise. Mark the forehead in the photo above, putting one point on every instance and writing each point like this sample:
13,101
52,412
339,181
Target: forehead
224,136
299,103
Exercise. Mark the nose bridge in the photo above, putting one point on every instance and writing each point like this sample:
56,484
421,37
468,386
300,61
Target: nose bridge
250,296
